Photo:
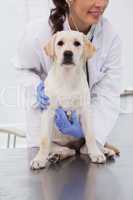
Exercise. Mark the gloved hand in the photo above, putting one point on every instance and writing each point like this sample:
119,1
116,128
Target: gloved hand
67,127
42,99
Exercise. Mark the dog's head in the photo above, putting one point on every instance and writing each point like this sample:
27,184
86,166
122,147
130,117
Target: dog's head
69,49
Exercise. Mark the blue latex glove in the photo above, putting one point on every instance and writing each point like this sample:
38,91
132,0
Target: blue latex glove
42,99
67,127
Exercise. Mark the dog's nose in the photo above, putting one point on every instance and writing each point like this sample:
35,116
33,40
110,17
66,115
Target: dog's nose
68,54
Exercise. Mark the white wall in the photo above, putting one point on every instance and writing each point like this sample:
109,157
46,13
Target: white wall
12,20
15,14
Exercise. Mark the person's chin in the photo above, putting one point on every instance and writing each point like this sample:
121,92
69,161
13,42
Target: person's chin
93,20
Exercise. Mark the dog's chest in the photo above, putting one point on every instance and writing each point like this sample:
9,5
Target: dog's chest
67,93
66,100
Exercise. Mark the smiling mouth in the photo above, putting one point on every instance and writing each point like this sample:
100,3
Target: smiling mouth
95,13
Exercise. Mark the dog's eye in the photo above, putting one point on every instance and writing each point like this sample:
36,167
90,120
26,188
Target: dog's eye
60,43
77,44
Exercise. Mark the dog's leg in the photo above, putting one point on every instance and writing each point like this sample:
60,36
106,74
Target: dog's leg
40,159
84,150
108,152
94,152
59,153
113,148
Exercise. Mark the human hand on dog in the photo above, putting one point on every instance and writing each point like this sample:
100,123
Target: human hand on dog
68,127
42,99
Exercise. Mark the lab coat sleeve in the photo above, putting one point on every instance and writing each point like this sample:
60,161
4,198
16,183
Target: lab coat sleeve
29,65
27,62
105,94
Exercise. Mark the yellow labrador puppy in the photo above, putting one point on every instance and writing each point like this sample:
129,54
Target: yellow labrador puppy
66,86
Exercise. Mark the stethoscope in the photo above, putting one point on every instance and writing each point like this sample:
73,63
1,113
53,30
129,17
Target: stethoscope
87,72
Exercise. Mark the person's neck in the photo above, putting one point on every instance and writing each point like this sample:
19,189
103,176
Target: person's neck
81,27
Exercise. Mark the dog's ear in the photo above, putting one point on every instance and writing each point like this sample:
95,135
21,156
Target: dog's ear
89,48
49,47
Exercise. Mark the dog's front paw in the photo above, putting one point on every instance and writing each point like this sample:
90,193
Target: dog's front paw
38,163
108,152
97,157
54,158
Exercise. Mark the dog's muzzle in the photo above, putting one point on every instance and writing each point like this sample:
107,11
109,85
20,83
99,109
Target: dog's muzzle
68,58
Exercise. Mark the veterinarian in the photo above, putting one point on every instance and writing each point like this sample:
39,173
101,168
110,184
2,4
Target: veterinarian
103,70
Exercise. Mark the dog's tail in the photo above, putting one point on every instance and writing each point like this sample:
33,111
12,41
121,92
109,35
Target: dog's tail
13,131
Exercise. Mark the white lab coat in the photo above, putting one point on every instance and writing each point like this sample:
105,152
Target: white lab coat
104,76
